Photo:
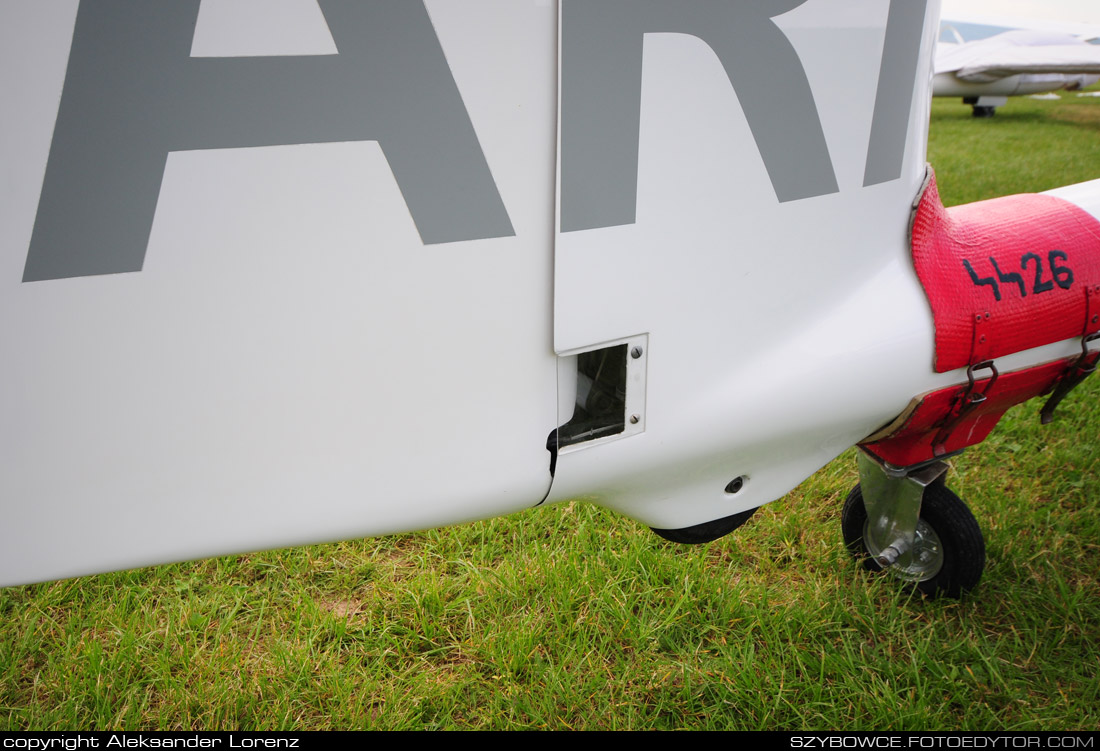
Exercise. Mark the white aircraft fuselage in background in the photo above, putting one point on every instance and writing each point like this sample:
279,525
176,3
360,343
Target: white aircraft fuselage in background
989,58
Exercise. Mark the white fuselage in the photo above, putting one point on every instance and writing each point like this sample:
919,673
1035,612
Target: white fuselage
317,338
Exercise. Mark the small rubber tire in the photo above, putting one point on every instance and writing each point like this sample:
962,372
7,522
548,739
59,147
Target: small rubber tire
960,537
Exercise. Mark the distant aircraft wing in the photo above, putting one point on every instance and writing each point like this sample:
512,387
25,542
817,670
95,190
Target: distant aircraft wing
1033,60
1018,52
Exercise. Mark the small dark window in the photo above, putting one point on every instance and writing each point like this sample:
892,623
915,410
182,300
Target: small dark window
601,397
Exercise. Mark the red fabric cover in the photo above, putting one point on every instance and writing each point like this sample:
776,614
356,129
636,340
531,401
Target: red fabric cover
912,443
971,324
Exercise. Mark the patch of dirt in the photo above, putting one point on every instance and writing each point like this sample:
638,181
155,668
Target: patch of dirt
342,608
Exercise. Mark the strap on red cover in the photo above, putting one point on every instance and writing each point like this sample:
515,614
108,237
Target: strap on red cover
1085,364
1004,275
915,440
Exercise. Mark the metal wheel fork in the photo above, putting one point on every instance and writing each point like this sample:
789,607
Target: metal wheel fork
894,534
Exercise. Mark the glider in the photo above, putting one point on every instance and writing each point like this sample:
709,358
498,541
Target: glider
403,264
1021,61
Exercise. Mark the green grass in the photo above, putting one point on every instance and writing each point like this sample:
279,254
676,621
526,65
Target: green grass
573,617
1027,147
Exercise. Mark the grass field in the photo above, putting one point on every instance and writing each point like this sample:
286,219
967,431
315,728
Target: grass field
572,617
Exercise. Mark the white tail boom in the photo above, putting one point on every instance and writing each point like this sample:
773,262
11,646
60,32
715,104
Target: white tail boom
376,266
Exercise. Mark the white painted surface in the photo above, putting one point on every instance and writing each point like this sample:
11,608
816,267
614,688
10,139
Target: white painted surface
1085,195
780,334
292,364
247,28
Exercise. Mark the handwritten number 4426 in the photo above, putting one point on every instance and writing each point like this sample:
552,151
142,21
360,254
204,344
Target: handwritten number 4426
1062,275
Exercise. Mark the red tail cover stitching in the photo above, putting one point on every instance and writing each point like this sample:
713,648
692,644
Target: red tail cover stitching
1027,260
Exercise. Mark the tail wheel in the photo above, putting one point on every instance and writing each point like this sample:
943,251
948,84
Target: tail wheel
948,550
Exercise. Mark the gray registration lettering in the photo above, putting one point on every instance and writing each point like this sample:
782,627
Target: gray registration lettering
893,101
601,98
132,94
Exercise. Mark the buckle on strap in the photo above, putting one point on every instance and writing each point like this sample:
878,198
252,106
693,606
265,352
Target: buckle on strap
965,403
